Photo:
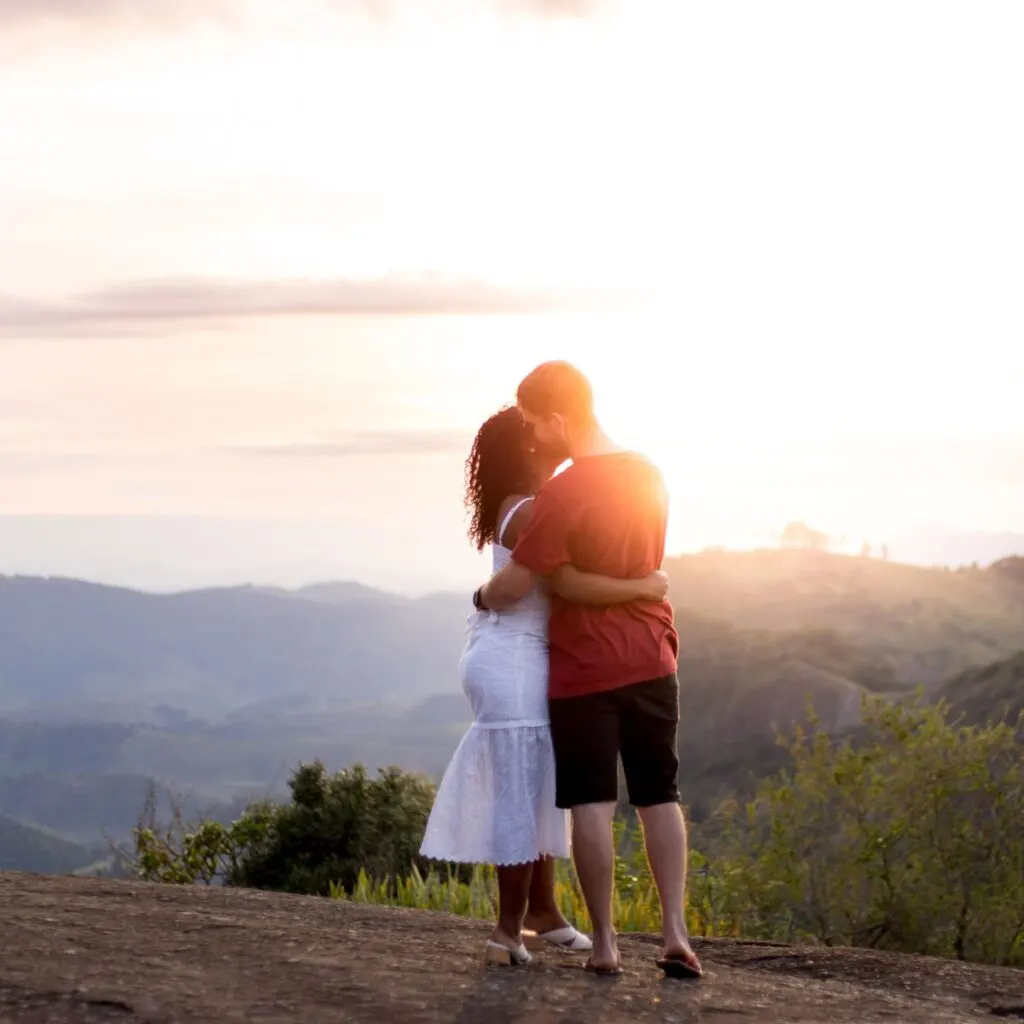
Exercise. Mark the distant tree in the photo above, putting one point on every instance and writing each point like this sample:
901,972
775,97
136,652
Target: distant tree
800,535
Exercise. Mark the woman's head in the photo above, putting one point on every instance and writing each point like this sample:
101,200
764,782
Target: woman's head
504,460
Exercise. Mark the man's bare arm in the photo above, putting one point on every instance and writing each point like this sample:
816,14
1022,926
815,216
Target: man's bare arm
601,591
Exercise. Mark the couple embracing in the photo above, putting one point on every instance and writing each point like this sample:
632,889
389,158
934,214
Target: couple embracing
570,665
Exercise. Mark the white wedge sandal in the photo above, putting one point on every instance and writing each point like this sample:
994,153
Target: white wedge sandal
567,938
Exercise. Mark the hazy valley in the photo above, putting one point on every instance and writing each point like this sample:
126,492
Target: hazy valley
217,694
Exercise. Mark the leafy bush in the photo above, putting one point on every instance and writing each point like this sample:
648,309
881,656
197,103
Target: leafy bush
912,839
909,837
334,827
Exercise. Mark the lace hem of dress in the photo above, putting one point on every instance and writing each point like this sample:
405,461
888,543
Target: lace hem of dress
553,854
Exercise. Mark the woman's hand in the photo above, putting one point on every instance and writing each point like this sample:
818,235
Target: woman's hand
655,586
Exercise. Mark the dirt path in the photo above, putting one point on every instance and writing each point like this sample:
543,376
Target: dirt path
74,951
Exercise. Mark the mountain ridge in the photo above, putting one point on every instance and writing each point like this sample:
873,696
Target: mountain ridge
222,691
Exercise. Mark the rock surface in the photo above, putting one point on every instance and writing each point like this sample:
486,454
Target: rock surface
77,951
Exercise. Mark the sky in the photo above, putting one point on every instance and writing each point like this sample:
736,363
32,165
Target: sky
265,266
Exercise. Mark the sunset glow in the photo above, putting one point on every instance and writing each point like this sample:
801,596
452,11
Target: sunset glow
279,264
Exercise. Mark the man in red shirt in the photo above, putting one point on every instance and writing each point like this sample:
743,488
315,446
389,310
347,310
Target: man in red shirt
613,689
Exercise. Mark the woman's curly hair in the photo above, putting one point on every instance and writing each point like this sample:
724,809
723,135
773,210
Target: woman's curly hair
499,464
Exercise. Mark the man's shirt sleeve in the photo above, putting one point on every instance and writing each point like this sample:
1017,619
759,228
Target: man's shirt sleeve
544,543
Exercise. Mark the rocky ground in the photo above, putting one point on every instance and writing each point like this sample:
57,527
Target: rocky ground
81,950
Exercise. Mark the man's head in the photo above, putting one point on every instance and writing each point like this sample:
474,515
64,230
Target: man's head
557,401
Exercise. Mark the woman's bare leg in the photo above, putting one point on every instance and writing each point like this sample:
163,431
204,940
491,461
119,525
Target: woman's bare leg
542,911
513,895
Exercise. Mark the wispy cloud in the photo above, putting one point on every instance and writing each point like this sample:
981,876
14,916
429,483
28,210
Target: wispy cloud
150,305
91,11
397,442
137,12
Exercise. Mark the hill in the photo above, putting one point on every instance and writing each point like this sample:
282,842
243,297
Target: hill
24,848
994,691
208,652
80,950
926,624
219,693
75,650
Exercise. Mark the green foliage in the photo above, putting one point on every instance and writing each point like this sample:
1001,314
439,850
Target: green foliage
907,836
635,904
912,839
334,827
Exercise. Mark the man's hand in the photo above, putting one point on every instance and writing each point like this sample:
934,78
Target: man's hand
655,586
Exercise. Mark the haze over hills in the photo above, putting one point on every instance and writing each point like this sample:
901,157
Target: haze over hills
24,848
220,692
170,553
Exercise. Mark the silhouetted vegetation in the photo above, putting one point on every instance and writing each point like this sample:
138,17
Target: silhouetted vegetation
912,839
334,827
907,836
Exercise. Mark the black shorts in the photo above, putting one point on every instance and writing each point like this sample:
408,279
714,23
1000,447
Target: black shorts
640,722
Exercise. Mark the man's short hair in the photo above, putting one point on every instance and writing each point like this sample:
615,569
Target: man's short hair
557,387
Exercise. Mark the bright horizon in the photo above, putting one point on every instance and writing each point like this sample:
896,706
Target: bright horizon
257,268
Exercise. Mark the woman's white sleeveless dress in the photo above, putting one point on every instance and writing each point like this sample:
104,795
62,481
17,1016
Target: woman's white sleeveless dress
496,802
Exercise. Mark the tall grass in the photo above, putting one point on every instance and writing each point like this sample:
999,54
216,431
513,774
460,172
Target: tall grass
636,904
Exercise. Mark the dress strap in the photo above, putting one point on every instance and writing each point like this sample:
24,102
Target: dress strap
508,519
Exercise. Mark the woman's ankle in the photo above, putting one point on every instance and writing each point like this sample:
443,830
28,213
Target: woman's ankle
507,933
546,919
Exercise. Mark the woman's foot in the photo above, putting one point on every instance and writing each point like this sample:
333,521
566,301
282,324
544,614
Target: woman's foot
504,938
552,929
500,941
548,920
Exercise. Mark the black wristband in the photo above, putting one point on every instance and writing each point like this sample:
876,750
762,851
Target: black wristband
478,600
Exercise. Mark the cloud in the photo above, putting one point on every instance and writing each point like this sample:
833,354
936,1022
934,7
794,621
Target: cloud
93,11
558,8
127,13
398,442
149,305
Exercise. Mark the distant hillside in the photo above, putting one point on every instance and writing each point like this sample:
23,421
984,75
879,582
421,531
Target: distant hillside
209,652
219,693
106,653
992,692
24,848
87,807
926,624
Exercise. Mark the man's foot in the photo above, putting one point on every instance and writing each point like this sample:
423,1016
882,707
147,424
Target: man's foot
605,957
596,967
681,962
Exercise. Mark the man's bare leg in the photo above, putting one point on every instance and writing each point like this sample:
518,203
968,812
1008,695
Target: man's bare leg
594,855
665,840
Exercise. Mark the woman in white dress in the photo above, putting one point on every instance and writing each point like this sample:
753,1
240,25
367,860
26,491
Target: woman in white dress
496,803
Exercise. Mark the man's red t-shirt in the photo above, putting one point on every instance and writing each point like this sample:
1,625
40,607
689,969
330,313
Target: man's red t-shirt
605,514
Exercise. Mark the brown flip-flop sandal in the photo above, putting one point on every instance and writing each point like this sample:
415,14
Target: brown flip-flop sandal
678,965
606,972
